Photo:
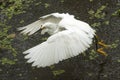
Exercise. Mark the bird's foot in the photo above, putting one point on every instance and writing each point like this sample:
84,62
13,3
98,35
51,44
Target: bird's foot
101,43
102,46
101,51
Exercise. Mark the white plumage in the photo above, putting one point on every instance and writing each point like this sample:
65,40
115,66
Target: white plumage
69,37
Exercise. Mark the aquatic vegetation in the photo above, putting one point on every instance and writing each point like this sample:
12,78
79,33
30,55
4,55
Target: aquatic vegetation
116,13
91,0
38,3
93,54
114,44
9,8
47,5
118,60
99,14
61,1
13,7
97,24
58,72
7,61
106,22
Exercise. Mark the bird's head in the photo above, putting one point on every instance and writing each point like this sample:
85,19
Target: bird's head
49,28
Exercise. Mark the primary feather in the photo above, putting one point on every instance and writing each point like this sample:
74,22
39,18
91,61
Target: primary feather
69,37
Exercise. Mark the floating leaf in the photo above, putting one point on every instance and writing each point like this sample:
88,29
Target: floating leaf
7,61
58,72
11,35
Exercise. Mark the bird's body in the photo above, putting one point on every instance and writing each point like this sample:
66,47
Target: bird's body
69,37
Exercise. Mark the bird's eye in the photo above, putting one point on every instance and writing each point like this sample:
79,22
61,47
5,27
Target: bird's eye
42,27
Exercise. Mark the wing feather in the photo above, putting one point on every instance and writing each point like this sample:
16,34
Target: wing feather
35,26
58,47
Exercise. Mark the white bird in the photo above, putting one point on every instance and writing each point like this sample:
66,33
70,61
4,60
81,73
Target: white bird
68,38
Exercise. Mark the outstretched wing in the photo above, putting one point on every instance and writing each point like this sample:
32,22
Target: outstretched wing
58,47
35,26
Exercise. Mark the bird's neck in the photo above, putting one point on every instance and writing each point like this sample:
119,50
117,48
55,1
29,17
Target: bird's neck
56,31
59,29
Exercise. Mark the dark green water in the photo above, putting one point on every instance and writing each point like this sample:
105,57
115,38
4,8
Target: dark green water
103,15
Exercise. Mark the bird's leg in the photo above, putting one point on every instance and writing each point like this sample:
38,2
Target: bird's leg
102,44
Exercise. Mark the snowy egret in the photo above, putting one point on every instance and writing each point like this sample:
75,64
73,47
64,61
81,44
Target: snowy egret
68,38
